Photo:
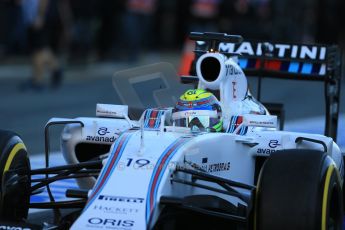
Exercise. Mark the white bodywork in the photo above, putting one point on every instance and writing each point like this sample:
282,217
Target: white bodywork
141,161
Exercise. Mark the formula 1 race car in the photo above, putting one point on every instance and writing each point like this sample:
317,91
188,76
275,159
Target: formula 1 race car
215,159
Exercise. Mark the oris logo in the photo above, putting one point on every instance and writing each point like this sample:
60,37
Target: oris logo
97,221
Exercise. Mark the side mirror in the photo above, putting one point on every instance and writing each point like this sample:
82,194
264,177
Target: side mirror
114,111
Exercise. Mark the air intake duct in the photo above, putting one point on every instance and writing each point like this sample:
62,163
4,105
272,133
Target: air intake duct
211,70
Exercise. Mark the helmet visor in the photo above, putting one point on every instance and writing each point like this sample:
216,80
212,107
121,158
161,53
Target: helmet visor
200,118
201,122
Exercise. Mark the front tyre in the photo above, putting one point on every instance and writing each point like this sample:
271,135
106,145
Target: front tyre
14,178
299,189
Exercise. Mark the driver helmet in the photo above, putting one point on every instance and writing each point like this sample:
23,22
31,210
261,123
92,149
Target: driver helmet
198,109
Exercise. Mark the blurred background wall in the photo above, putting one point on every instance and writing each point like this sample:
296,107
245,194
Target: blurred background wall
100,29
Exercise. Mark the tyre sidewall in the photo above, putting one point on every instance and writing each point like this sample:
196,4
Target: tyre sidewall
291,188
13,155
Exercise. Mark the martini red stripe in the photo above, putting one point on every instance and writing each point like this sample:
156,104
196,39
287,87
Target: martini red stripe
203,102
152,119
161,165
239,122
273,65
110,166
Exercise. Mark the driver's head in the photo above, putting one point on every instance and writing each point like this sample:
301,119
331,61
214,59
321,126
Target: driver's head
198,108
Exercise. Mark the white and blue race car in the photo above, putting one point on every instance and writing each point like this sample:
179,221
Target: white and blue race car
157,172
